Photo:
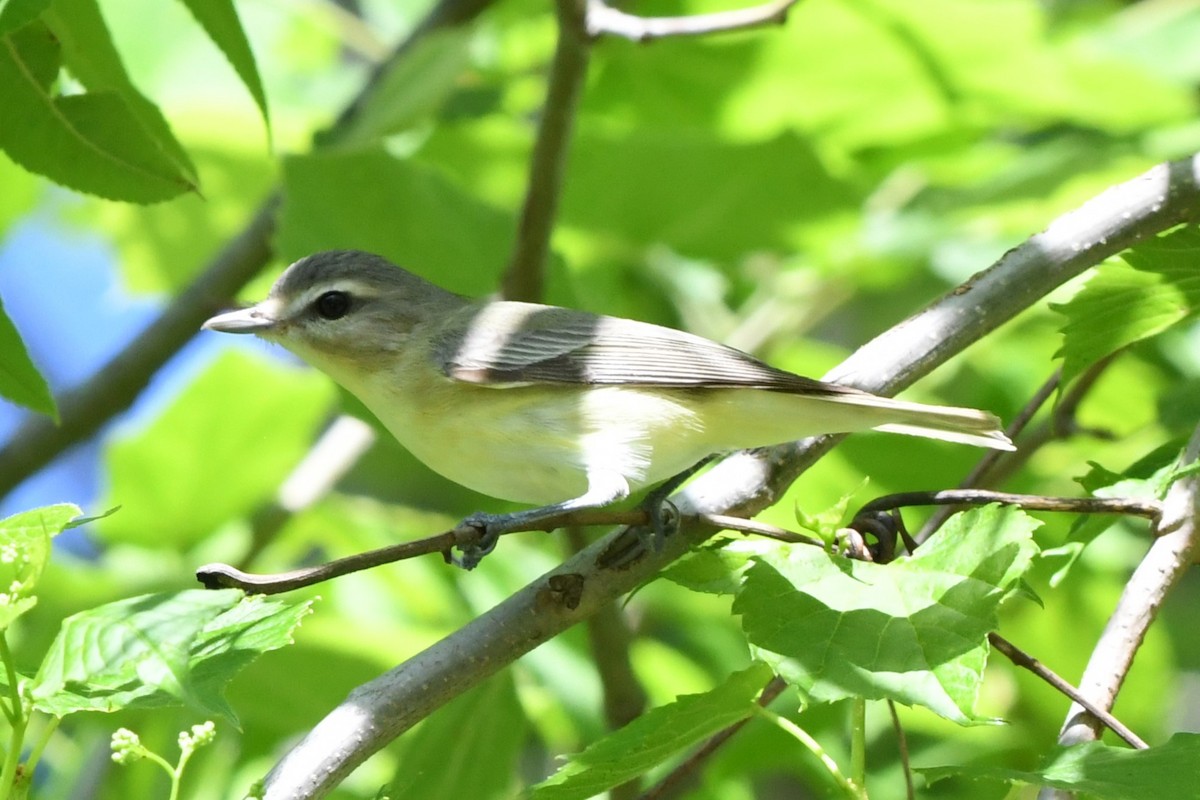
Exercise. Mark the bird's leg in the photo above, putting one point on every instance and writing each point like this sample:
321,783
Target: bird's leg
664,516
603,488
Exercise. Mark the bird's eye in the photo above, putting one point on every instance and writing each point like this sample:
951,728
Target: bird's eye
333,305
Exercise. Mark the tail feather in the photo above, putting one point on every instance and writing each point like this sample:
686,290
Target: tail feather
947,423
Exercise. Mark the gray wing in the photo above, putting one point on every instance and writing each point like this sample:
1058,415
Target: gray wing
521,343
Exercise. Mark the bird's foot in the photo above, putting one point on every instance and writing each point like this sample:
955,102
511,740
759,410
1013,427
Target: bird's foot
663,514
490,528
664,518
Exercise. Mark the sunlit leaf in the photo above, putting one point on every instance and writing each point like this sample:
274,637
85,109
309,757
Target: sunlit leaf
92,142
24,551
160,650
913,631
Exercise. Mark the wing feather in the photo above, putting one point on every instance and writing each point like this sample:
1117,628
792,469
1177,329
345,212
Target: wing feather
507,343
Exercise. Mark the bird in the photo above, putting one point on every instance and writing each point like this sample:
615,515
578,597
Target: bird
548,406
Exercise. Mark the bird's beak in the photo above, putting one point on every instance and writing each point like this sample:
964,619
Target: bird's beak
255,319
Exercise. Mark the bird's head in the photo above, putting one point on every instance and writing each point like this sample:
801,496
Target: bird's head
338,308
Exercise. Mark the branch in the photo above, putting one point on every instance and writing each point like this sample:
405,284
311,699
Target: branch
1022,659
525,275
378,711
115,386
1169,558
604,20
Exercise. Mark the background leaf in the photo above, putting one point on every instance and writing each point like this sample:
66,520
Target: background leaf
485,726
164,649
1113,773
646,741
20,380
220,20
221,448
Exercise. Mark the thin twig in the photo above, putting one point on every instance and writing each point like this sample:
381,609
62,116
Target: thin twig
604,20
730,523
670,785
978,474
1062,424
910,791
525,275
1133,506
224,576
1022,659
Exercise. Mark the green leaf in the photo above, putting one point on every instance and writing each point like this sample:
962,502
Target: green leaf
20,381
16,13
24,551
90,55
1158,287
1167,772
653,737
92,142
716,568
160,650
333,200
223,447
914,631
112,142
485,726
220,21
1147,479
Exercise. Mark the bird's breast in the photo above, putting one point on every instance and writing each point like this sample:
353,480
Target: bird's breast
534,444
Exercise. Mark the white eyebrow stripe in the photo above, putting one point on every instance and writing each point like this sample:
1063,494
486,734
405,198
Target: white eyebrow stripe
348,285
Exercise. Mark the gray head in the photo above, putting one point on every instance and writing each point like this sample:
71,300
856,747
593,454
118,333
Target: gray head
341,304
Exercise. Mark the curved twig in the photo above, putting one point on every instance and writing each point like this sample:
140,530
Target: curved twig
604,20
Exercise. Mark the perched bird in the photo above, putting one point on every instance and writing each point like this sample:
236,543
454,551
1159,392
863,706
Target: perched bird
552,406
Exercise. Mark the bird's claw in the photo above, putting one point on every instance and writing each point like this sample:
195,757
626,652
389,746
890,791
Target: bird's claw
489,527
664,521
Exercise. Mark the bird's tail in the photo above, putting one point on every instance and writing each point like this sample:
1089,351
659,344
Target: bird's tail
948,423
